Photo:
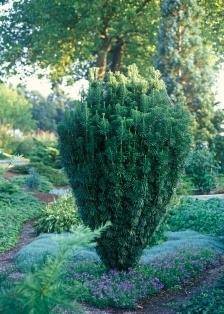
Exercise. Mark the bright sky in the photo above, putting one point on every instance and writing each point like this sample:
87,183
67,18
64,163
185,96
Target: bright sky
44,87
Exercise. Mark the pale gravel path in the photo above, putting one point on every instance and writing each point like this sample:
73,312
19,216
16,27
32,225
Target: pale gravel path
207,197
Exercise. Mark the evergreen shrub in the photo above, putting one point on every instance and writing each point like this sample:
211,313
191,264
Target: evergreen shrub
123,148
202,169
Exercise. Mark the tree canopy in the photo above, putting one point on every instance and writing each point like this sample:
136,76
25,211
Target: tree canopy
187,62
15,110
73,35
107,33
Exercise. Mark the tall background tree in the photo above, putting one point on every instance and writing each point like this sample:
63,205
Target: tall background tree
187,62
68,37
109,34
15,110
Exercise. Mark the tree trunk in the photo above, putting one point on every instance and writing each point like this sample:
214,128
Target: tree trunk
117,52
101,61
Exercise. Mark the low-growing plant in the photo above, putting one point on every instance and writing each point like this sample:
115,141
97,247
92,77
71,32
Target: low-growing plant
33,180
56,176
209,300
125,289
8,187
44,291
26,182
59,216
16,207
203,216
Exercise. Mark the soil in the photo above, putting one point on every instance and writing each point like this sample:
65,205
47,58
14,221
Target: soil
45,197
8,175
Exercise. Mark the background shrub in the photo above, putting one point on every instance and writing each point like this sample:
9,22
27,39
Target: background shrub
33,180
56,176
202,168
59,216
123,148
202,216
27,181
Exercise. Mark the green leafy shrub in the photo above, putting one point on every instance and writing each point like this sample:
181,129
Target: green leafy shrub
37,151
123,148
202,216
185,186
202,168
44,291
56,176
58,216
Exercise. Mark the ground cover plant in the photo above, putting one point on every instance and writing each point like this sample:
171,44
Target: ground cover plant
121,168
203,216
16,207
168,266
43,291
126,289
32,182
210,300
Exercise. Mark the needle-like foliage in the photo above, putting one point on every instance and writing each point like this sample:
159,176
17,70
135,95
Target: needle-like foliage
123,148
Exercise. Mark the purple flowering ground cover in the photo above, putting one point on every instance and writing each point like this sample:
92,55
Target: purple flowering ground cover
93,284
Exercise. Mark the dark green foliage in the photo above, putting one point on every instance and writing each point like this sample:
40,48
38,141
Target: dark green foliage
218,146
202,216
186,62
123,148
202,168
59,216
